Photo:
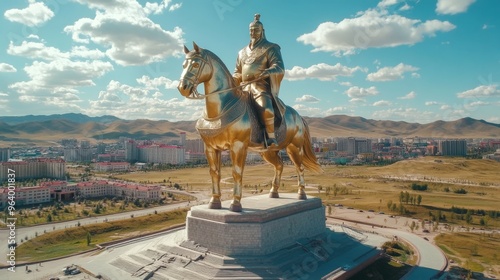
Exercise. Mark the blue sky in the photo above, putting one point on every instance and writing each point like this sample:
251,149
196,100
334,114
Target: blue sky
414,61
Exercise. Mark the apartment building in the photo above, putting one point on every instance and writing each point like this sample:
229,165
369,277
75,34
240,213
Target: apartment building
36,168
111,166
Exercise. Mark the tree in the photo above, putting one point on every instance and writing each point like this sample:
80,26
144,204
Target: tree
412,226
49,218
419,200
468,217
389,204
89,238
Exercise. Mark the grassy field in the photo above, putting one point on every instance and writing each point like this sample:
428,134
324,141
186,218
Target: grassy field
63,242
476,252
366,187
87,208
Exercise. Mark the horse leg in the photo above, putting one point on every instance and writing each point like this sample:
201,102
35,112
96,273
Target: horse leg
238,157
273,158
296,155
214,163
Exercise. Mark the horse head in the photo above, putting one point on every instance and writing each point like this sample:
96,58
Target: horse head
195,71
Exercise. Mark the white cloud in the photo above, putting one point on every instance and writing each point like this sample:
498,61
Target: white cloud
4,67
34,15
391,73
405,114
430,103
307,98
445,107
338,110
117,100
451,7
387,3
382,103
479,103
130,7
405,7
321,71
358,92
133,92
357,100
84,52
493,120
346,84
480,91
4,94
145,42
371,29
156,83
57,81
36,50
304,110
175,7
155,8
410,95
158,8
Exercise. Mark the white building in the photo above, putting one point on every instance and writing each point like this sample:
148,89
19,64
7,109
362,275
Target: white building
111,166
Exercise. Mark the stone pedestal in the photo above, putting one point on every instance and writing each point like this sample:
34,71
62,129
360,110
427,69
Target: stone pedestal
265,225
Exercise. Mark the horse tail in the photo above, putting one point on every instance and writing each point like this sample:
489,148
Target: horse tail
309,160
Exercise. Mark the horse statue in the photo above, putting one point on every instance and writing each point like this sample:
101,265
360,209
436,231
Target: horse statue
230,123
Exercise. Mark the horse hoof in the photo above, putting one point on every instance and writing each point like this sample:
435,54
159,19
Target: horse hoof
235,207
214,205
302,196
274,195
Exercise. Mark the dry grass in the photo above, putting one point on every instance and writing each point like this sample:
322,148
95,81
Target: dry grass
367,187
477,252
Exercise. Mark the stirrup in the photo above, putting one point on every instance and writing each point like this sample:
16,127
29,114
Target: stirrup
271,144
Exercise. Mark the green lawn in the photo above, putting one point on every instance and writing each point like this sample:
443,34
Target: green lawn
68,241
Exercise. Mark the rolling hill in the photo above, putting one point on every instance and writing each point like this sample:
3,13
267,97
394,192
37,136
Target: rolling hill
47,128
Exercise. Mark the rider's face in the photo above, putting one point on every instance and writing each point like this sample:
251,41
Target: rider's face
255,32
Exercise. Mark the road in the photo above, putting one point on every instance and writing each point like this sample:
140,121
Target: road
431,259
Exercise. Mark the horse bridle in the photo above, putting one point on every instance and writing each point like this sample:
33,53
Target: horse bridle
195,81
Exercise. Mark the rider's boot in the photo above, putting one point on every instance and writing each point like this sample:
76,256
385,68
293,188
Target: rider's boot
271,142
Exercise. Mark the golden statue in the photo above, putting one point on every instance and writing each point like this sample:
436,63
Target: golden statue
261,61
231,121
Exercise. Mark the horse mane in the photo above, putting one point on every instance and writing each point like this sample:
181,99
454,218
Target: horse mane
223,66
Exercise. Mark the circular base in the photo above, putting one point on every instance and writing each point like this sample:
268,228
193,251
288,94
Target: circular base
274,195
302,196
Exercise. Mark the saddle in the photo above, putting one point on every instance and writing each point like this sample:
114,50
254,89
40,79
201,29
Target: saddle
208,127
258,133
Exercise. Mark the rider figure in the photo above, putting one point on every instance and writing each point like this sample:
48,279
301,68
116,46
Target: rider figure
261,60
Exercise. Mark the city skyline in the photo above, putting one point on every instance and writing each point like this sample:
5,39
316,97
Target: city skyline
411,61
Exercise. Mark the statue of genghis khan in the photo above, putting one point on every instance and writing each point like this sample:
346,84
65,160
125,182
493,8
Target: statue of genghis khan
261,61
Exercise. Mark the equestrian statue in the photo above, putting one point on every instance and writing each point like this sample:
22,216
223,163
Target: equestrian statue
243,112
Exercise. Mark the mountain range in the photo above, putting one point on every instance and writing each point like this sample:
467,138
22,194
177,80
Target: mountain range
52,128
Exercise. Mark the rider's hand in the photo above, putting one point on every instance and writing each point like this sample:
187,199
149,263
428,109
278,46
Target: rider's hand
264,74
